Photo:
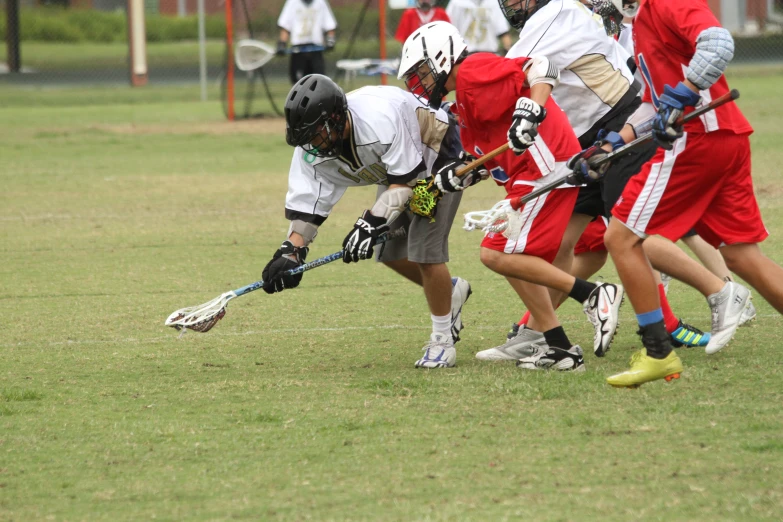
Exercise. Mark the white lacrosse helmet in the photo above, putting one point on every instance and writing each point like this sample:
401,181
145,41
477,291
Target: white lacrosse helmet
439,46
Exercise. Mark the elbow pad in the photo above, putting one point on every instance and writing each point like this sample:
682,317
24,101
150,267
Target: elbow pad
714,51
391,203
540,70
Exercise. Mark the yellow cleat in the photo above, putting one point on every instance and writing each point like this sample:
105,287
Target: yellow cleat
645,369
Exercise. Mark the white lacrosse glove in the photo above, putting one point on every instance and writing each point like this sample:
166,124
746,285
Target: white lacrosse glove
447,180
524,125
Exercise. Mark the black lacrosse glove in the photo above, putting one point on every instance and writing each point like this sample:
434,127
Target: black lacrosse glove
282,47
583,164
447,180
524,124
671,105
287,257
359,243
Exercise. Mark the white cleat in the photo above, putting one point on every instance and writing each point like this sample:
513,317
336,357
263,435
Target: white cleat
526,343
571,360
748,314
727,307
439,352
602,309
460,292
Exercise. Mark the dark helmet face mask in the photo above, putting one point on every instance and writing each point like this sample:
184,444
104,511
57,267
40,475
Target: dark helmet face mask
316,116
611,16
517,12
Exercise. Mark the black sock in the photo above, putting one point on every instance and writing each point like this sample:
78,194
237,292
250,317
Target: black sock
656,340
581,290
557,338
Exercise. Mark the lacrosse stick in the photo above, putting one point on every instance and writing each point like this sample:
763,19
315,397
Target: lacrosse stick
252,54
500,218
203,317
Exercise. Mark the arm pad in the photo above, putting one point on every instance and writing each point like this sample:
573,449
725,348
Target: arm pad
641,120
714,51
307,230
391,203
540,70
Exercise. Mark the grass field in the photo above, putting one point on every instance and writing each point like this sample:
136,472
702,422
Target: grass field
305,404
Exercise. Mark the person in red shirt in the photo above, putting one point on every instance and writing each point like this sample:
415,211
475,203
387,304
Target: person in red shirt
412,19
700,179
491,92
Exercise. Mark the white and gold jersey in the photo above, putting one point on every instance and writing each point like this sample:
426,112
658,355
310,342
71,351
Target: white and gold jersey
394,139
479,22
594,75
307,23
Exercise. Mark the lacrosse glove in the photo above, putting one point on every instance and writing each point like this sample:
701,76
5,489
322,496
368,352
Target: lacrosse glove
287,257
282,47
524,124
359,242
671,105
582,165
447,180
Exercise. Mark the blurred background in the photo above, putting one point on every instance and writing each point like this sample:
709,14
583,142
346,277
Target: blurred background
72,44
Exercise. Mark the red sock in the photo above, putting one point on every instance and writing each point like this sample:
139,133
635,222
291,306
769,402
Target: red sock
525,319
669,318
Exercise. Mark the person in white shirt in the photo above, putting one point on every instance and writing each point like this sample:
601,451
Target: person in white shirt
481,23
303,24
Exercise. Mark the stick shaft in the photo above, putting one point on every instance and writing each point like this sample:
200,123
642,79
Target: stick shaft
625,149
483,159
398,233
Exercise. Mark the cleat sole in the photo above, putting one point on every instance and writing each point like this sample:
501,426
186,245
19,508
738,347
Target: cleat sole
671,377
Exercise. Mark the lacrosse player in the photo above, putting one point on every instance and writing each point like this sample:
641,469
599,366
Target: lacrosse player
373,136
481,24
492,92
682,50
599,93
302,24
412,19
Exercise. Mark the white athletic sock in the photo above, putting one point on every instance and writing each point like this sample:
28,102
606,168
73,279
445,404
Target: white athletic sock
441,324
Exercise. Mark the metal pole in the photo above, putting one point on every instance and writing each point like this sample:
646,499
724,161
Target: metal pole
12,35
202,50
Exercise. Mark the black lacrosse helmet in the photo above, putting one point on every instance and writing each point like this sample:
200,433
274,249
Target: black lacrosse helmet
517,12
315,116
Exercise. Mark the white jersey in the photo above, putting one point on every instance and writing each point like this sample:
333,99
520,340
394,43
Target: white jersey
479,22
594,74
307,23
392,133
626,41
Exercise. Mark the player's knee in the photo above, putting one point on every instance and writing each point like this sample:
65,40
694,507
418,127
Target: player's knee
490,258
619,238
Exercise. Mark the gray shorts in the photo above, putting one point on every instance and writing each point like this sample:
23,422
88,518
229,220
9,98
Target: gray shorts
427,242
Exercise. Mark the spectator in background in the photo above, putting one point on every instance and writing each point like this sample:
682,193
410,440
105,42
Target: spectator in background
481,23
423,13
303,24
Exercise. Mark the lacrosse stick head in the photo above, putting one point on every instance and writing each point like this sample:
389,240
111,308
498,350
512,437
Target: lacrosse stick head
501,218
250,55
201,318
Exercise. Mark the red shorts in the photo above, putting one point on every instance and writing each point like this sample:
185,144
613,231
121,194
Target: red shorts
703,183
592,239
544,221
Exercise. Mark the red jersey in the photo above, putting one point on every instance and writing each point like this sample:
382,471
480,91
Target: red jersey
664,35
488,87
412,19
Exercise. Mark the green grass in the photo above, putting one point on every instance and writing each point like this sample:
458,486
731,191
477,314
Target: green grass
306,405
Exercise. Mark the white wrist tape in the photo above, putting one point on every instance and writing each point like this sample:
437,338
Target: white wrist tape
714,51
642,119
391,203
540,70
308,231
